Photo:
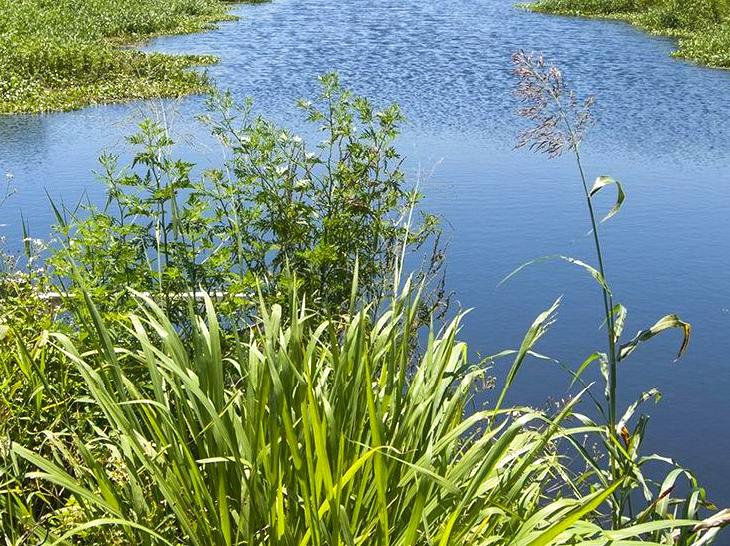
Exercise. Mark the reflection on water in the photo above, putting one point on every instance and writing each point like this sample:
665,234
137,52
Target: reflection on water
663,130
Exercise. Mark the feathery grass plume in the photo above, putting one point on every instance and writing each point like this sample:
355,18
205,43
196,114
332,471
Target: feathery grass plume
559,124
560,118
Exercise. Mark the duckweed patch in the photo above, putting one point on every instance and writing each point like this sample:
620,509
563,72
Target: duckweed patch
702,27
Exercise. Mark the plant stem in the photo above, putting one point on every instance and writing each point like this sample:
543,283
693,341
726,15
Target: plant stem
608,309
607,299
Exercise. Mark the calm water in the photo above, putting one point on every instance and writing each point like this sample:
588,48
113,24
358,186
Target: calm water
663,130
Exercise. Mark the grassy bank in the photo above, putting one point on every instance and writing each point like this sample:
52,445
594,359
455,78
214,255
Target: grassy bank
702,27
64,54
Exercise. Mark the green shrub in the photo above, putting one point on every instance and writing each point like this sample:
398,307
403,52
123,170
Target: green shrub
277,208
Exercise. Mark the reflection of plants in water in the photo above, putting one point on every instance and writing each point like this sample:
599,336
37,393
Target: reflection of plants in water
559,121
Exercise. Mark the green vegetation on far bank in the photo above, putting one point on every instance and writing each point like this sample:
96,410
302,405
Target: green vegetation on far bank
65,54
702,27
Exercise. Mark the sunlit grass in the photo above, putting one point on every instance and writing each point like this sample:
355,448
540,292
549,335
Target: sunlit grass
311,431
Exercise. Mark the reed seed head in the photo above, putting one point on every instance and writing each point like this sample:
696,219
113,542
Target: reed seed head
560,119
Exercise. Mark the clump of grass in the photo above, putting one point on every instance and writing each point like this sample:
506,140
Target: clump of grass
64,55
312,431
702,27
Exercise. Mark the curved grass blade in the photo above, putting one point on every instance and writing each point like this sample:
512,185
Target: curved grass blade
665,323
590,269
79,529
589,505
534,333
652,393
603,182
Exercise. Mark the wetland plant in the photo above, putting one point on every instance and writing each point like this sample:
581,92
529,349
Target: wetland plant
306,431
558,122
66,54
278,206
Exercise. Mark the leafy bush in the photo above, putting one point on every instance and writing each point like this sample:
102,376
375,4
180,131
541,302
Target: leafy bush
278,207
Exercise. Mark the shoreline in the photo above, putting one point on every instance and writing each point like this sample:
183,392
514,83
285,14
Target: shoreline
700,47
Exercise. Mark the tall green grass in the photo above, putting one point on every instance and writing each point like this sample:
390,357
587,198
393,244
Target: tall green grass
310,431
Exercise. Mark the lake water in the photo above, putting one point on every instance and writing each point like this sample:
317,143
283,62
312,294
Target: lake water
663,128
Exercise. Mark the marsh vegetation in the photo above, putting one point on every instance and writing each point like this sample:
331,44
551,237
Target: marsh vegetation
702,27
315,392
64,55
263,350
